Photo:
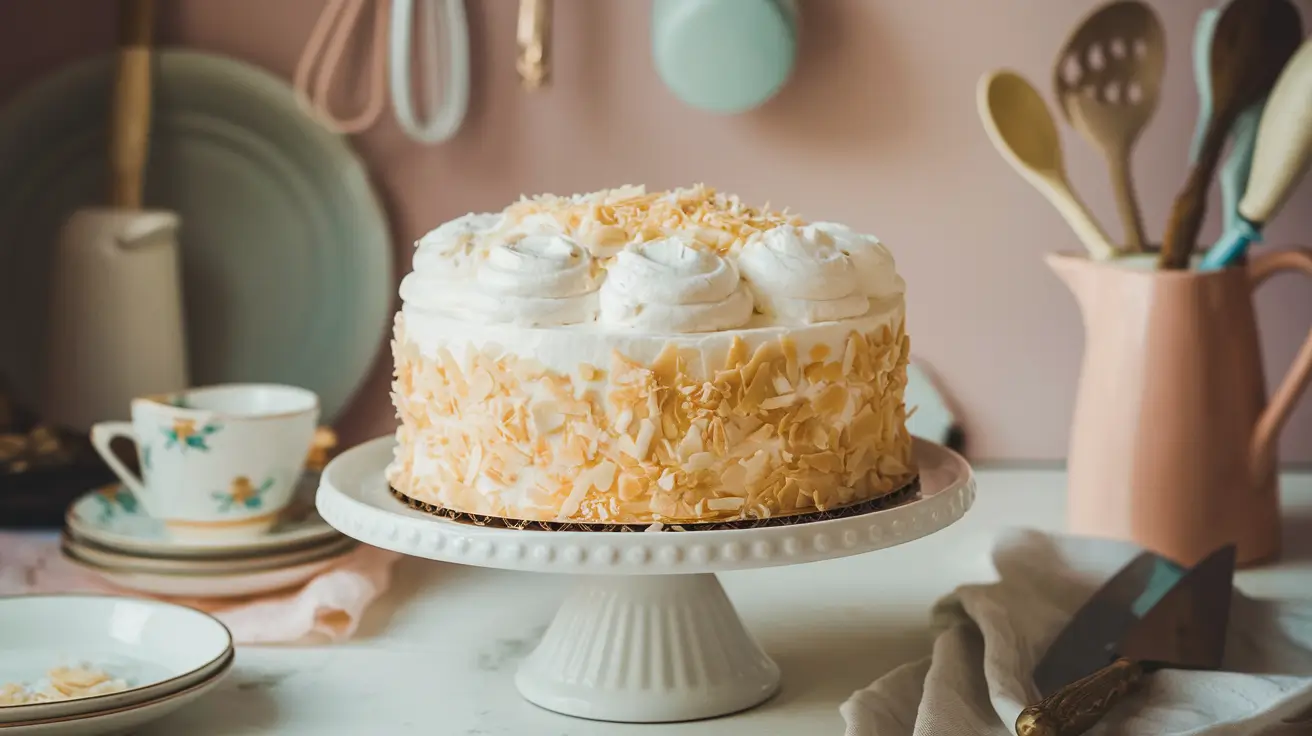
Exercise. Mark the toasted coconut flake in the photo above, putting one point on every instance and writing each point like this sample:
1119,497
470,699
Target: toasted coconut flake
778,402
666,481
700,461
623,421
646,432
781,384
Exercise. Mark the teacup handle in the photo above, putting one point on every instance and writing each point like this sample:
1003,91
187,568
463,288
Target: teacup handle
103,433
1261,452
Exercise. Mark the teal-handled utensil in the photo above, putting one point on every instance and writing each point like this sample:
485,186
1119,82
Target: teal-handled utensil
1234,172
1202,57
1281,155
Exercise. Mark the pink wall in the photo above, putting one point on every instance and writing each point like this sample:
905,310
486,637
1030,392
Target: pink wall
877,128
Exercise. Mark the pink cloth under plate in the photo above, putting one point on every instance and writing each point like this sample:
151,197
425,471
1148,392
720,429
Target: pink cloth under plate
331,604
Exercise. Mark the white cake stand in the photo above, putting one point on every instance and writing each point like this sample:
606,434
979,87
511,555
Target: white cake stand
648,635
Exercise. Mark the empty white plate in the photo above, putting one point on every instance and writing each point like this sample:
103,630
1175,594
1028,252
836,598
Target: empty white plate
156,647
124,720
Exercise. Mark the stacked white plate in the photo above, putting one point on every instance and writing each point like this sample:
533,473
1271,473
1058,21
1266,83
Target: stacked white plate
109,534
152,657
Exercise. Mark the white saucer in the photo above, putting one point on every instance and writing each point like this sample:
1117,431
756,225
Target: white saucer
217,585
158,648
112,517
124,720
92,553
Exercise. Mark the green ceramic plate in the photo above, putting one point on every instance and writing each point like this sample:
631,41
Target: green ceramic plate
287,263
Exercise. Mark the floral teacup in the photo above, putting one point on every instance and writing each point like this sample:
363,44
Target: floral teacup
216,462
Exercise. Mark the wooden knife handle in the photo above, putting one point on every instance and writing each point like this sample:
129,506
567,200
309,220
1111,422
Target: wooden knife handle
130,122
1075,708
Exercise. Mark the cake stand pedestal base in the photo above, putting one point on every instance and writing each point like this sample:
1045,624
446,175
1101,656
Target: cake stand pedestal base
648,635
647,649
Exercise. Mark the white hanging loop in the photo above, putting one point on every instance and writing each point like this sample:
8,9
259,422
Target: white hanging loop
447,102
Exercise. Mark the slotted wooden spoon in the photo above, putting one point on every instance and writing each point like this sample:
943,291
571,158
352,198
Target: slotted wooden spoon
1108,78
1253,41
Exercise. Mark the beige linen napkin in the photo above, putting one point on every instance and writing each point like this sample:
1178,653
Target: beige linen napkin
989,638
329,605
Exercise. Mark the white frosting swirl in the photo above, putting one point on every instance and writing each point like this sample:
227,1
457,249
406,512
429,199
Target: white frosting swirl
450,245
537,280
876,271
797,276
444,264
668,286
537,223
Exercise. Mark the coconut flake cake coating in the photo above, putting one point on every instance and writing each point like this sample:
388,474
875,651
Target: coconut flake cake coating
634,357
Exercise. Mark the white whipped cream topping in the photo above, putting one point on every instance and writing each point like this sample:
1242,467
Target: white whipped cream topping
668,286
444,264
537,280
486,268
537,223
450,245
876,271
801,276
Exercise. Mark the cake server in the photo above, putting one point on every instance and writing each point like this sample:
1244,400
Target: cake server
1082,646
1185,628
1020,126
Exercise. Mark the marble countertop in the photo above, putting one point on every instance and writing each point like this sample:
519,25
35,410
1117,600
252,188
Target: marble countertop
437,655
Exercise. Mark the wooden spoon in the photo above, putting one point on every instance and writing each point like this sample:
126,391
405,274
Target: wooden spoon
1021,127
130,121
1253,40
1108,78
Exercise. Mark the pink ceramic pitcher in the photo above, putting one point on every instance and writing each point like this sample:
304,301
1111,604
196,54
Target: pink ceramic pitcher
1173,443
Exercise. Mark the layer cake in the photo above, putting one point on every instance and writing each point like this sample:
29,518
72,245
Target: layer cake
634,357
